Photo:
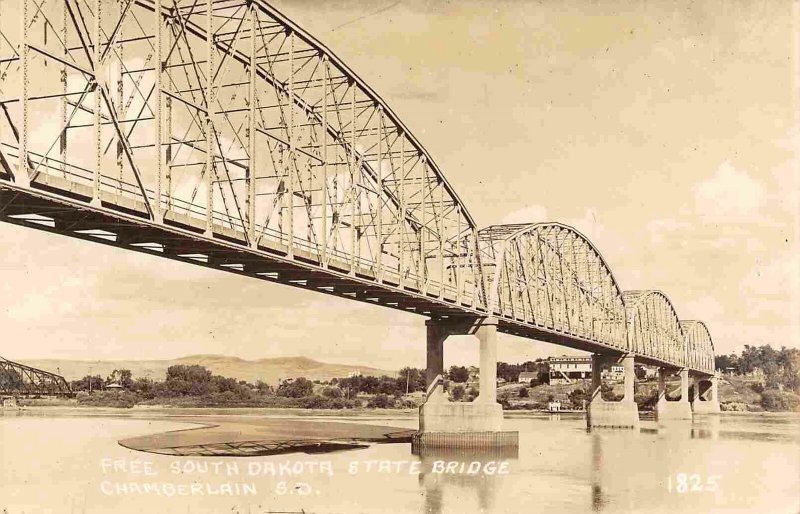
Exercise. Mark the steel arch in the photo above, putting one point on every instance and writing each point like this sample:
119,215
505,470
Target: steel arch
699,346
654,328
550,275
248,127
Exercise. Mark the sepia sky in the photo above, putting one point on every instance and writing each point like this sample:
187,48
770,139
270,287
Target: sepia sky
667,132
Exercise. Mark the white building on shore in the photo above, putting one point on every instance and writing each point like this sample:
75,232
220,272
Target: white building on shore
566,369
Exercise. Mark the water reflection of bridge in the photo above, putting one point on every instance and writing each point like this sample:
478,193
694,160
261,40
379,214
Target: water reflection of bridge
224,135
472,472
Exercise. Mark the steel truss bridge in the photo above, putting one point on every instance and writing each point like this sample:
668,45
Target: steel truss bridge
18,379
222,134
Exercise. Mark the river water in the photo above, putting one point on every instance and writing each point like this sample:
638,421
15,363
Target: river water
727,463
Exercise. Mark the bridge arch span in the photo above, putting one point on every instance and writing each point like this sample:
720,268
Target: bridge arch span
551,275
699,346
654,328
228,118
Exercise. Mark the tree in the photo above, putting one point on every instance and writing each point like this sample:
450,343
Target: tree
263,387
577,397
350,386
183,380
607,392
389,385
10,380
123,377
458,393
296,388
381,401
780,401
414,378
143,385
508,372
523,393
88,383
724,362
190,373
332,392
369,384
458,374
789,360
543,377
781,368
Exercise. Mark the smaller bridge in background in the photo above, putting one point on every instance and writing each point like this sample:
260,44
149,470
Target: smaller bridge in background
20,380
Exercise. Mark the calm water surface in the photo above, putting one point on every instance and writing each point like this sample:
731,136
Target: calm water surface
727,463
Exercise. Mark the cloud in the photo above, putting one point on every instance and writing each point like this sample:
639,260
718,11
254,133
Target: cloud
729,196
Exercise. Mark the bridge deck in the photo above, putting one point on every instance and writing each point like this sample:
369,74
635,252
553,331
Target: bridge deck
181,238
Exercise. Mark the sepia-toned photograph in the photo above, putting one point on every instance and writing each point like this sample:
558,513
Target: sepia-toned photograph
399,256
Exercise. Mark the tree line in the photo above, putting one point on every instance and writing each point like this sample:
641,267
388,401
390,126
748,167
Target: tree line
194,385
781,368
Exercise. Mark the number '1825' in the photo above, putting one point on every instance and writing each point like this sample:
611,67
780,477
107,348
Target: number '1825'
692,483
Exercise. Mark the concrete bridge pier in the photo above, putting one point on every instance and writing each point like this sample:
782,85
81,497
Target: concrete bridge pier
706,399
612,414
673,409
476,424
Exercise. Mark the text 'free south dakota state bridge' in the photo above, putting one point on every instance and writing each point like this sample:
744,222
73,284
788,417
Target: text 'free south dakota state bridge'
222,134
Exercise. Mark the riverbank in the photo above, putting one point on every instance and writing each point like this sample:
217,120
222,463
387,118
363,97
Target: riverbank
736,395
68,408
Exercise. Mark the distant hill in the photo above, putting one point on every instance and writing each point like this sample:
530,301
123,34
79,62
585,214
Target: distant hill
268,370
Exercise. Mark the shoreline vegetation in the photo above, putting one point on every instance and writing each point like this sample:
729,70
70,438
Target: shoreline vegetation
737,394
760,379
